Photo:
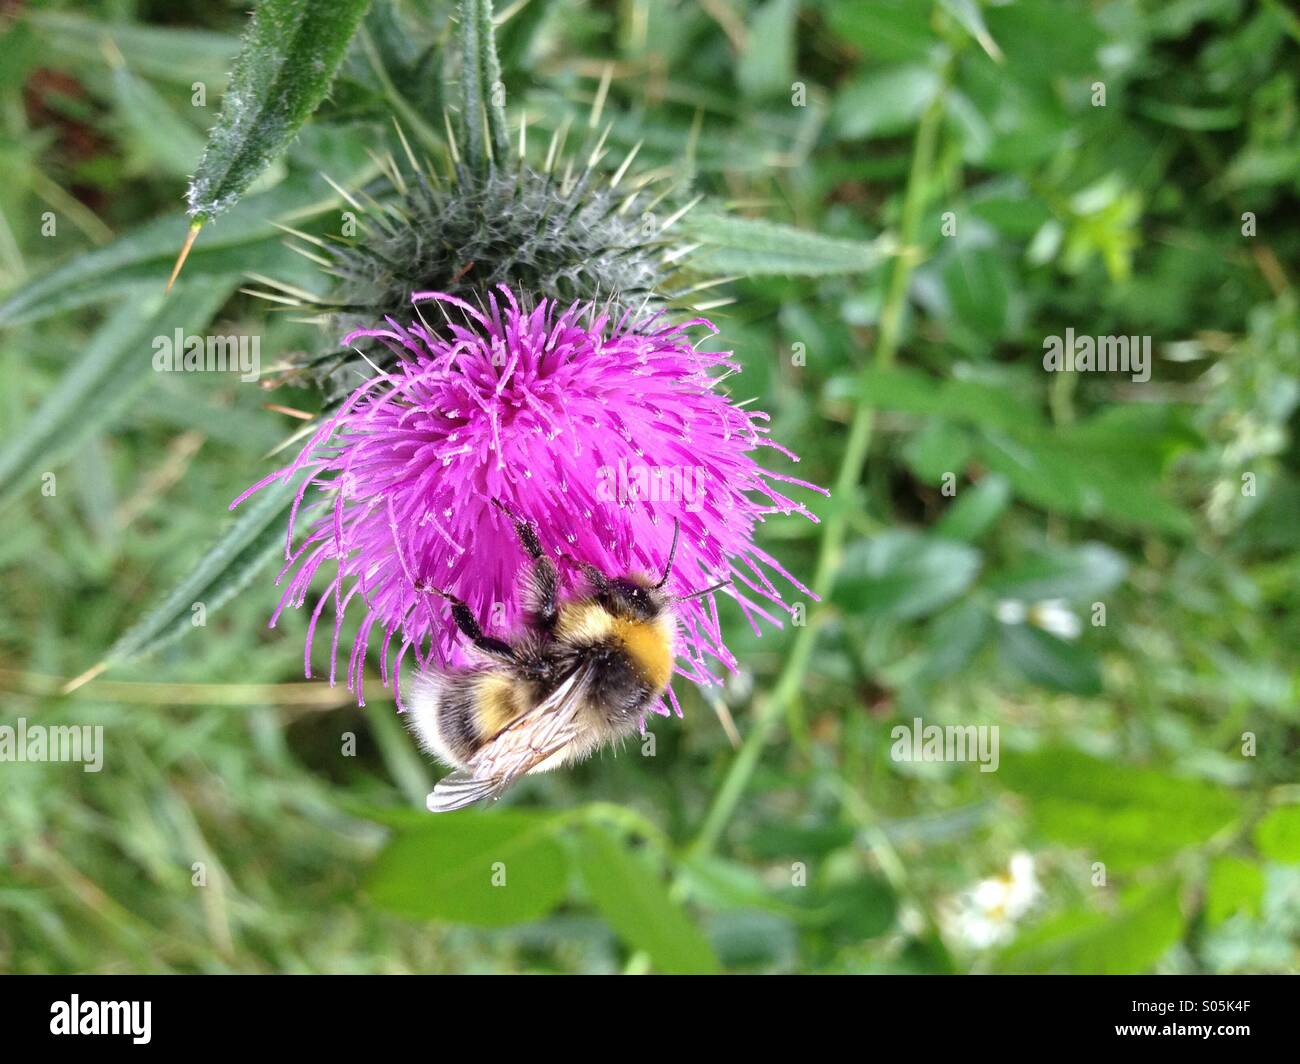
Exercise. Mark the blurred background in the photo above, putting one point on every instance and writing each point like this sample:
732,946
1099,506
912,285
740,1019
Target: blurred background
1102,568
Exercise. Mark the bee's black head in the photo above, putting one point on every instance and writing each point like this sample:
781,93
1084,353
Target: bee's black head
629,597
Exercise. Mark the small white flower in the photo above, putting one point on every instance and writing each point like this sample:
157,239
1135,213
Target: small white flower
1053,616
1056,618
987,913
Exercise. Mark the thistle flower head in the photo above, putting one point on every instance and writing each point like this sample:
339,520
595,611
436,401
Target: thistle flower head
603,429
582,236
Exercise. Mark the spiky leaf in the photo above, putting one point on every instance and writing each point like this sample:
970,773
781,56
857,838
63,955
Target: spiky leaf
246,241
750,246
98,385
225,568
289,57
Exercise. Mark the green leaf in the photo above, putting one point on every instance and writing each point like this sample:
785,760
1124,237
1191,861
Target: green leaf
1083,573
966,401
1050,661
884,103
904,574
721,884
890,30
1059,472
956,637
247,240
750,938
286,62
485,869
782,838
165,142
864,907
967,14
99,384
976,510
749,247
1087,942
224,569
1126,816
1278,834
1046,39
180,56
1235,885
940,447
978,285
766,67
632,898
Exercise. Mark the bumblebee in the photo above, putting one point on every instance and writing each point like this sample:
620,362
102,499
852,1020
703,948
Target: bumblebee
581,674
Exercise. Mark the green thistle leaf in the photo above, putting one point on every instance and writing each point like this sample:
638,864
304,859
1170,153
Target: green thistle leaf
99,385
290,55
224,570
751,247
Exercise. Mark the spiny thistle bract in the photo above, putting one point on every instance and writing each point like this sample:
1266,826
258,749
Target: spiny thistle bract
570,416
563,232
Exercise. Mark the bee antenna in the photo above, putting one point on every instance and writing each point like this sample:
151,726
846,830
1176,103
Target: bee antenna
672,553
701,594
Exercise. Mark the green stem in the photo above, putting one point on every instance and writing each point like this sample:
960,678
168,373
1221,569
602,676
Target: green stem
471,89
494,88
790,682
479,77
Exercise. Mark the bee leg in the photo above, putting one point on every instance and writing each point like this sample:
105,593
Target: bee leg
542,589
524,530
599,581
469,627
542,592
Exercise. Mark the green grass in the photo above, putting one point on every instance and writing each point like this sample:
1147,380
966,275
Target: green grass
976,199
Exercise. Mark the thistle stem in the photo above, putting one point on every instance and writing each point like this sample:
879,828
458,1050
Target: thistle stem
494,89
480,87
790,682
471,89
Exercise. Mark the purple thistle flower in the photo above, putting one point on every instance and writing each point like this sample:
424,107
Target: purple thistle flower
602,433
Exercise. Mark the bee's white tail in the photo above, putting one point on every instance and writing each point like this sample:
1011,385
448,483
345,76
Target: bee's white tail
422,716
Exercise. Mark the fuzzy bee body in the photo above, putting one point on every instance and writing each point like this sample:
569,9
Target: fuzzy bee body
456,714
582,674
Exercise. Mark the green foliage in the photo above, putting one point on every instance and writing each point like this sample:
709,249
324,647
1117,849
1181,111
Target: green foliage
485,871
1234,885
904,575
631,896
286,63
1126,941
97,387
1127,817
514,866
224,569
1278,834
247,241
908,200
752,247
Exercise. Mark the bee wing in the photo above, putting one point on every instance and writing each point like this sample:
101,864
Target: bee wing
519,747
